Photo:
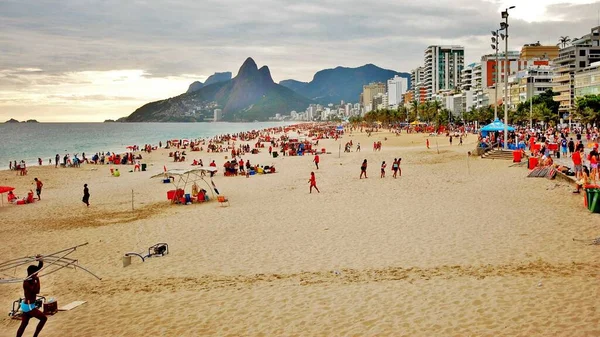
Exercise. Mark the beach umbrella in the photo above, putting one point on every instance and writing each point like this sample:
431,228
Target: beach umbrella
4,189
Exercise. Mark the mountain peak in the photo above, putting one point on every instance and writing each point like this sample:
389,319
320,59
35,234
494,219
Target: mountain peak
266,74
248,68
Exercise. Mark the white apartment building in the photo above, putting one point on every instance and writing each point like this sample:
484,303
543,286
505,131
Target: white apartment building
443,67
397,87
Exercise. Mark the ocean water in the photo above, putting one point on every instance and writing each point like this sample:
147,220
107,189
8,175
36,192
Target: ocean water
30,141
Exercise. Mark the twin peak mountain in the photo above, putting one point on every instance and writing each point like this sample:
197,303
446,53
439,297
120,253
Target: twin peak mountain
251,95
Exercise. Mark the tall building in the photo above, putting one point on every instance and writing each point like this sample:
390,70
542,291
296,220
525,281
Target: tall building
417,80
443,65
537,51
587,81
218,115
397,87
579,55
370,91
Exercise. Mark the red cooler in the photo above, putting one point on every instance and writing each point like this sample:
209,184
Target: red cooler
533,162
517,156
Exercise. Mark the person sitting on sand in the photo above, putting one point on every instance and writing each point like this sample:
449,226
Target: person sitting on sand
585,178
11,197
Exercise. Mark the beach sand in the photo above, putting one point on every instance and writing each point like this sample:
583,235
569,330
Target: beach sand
457,246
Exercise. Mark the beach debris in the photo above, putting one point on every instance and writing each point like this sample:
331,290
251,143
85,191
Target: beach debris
590,242
539,283
337,273
54,262
157,250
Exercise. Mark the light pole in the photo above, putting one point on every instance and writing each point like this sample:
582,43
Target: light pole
495,43
531,87
504,25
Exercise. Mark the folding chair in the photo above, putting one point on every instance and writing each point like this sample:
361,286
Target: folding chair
222,200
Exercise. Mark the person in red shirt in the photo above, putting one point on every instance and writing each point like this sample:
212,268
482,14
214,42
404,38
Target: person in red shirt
316,160
576,157
313,183
427,143
31,287
38,187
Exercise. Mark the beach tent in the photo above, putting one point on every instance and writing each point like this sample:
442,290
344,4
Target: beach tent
4,189
496,125
184,177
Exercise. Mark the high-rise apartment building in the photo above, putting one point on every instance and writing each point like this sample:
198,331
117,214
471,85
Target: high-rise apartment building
443,66
218,115
370,91
579,55
397,87
417,80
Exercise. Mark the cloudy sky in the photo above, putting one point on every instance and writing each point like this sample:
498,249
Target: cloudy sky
76,60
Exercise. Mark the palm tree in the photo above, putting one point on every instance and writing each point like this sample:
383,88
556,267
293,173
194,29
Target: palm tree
563,41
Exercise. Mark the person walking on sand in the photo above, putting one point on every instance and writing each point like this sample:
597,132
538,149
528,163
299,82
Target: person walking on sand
427,143
357,147
383,166
450,140
395,168
313,183
38,187
363,169
316,160
460,141
31,287
86,195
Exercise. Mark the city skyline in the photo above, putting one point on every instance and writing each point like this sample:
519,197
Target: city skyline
65,61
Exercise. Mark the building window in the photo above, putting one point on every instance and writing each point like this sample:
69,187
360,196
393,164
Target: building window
581,64
582,52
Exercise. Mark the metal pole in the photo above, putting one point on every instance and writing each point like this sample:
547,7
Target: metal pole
531,104
497,79
506,85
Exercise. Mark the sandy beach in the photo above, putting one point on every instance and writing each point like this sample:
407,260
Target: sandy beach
456,246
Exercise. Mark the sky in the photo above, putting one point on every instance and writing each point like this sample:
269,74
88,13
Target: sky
87,61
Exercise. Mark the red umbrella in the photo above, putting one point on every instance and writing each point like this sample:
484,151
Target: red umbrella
4,189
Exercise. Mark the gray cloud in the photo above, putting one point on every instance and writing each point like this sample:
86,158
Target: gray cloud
296,39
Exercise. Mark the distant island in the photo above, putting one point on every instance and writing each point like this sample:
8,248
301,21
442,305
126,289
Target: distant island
12,120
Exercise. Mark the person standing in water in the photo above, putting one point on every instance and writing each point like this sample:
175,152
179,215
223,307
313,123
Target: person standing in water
86,195
313,183
31,287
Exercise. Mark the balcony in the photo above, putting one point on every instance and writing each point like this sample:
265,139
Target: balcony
565,58
562,97
562,88
562,78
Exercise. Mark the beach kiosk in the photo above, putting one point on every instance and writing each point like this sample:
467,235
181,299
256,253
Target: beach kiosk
495,126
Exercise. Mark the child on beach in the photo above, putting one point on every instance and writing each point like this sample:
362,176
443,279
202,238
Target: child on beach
38,187
383,166
313,183
363,169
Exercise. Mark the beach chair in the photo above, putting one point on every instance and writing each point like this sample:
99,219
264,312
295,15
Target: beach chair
222,200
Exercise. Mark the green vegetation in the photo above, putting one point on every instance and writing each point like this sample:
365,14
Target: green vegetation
588,109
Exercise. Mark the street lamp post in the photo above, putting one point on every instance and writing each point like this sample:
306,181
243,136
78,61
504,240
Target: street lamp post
495,42
504,25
